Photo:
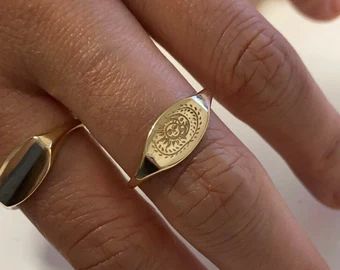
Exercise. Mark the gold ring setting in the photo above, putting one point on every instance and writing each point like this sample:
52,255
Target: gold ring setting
172,138
174,135
27,166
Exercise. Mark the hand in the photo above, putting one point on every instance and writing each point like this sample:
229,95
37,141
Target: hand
93,59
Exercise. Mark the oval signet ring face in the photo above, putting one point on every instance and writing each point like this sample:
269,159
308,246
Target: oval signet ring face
174,135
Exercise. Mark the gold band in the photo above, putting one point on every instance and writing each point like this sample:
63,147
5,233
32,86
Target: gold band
27,166
172,138
174,135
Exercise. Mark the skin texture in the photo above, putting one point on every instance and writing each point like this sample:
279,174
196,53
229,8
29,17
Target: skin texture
255,73
95,60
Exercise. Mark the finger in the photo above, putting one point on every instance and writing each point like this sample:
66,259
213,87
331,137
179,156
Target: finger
257,75
319,9
98,226
254,2
113,78
82,207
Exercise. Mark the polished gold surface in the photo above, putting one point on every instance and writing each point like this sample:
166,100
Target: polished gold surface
27,166
174,135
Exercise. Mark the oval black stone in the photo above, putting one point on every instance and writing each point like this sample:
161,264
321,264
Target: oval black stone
23,173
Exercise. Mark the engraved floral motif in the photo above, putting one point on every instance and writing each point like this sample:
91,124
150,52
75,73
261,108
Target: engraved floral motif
178,129
175,134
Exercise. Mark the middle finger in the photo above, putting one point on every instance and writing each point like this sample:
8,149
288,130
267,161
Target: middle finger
257,75
98,61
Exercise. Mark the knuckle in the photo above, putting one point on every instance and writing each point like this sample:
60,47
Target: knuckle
218,192
99,227
95,223
252,61
113,248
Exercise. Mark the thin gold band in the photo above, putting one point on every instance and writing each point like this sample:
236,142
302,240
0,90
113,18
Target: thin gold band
172,138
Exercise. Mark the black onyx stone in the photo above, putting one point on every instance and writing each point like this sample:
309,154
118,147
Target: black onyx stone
23,173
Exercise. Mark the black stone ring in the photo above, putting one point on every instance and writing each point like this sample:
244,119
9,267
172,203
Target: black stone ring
27,166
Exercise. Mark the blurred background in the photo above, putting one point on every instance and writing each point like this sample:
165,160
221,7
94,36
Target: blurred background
318,43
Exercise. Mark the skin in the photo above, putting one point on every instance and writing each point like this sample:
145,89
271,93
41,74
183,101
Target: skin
96,60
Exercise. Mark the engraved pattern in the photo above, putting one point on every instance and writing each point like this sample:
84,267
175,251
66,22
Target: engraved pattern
178,130
174,135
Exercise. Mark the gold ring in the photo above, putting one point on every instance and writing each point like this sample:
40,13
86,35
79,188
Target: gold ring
174,135
27,166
